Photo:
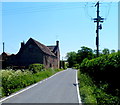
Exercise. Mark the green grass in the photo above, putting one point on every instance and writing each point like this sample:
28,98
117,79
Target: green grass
90,93
13,81
86,89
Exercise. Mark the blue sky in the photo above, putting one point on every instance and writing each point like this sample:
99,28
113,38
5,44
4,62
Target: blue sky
119,26
68,22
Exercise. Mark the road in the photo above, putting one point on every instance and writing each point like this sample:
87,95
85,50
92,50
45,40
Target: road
60,88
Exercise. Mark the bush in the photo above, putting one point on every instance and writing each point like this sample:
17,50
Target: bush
76,66
36,67
90,93
86,88
13,81
104,70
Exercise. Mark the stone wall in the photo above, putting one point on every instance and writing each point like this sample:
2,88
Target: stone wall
50,61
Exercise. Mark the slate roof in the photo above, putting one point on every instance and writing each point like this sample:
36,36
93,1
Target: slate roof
44,48
53,48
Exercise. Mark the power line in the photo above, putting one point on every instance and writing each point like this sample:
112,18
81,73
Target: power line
40,9
48,8
86,10
106,17
34,11
44,9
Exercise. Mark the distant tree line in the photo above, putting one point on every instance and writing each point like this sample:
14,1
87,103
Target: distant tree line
74,58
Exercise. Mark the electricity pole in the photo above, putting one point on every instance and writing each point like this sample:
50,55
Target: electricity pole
97,20
3,46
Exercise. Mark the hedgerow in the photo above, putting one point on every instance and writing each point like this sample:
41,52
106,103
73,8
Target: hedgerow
36,67
104,70
90,93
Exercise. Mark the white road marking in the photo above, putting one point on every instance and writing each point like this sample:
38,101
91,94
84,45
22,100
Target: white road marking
79,99
14,94
18,92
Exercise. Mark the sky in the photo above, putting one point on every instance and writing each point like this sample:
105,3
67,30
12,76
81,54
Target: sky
69,22
119,25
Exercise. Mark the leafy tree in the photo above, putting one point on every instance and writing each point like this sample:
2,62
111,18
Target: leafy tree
106,51
71,58
95,53
85,52
113,51
74,58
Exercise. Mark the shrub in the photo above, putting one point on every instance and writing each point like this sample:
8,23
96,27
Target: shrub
76,66
13,81
86,88
107,66
36,67
91,93
104,69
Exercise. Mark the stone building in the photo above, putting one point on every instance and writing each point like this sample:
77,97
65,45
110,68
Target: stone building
34,52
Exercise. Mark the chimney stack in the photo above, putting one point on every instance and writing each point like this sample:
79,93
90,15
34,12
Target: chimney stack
22,44
57,43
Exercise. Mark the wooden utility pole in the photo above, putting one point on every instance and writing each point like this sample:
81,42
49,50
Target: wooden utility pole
98,19
3,47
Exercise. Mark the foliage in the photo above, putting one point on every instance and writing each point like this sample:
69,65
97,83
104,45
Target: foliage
105,51
74,58
71,58
13,81
104,70
76,66
63,64
85,52
86,88
90,93
112,51
66,65
36,67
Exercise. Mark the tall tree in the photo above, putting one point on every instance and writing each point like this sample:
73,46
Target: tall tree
85,52
106,51
113,51
71,58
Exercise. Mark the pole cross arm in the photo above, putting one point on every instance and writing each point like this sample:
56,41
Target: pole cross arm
99,21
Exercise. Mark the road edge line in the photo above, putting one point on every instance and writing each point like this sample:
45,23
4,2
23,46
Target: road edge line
78,93
29,87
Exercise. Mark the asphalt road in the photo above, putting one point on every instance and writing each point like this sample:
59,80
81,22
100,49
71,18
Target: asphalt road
60,88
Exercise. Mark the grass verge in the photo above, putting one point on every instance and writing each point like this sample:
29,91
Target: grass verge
90,93
13,81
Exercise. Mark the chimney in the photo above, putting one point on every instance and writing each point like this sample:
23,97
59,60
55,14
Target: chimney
22,44
57,43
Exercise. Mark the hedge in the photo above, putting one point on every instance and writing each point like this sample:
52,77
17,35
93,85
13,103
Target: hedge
36,67
104,69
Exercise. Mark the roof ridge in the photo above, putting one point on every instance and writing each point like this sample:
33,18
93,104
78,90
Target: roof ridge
52,46
44,48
